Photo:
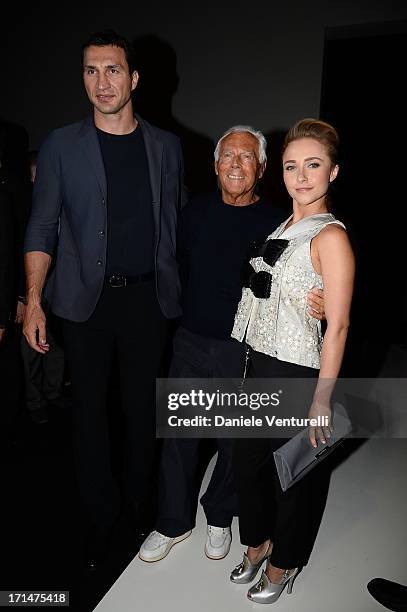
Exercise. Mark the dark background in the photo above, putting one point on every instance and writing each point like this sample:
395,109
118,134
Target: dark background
258,63
204,68
362,96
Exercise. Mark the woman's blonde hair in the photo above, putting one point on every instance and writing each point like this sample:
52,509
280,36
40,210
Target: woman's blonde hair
319,130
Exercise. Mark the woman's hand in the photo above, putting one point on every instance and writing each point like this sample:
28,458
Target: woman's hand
324,431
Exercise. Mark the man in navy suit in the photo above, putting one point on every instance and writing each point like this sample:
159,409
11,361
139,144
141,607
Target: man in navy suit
106,198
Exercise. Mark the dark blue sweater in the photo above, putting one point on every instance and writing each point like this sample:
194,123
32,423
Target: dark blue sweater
213,242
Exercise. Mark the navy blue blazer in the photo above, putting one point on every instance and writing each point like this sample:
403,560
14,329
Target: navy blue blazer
69,216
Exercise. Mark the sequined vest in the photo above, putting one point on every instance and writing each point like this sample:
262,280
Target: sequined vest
280,324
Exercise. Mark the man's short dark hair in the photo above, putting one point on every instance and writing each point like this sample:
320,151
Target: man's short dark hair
110,37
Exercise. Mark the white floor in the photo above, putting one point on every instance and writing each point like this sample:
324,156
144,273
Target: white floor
363,535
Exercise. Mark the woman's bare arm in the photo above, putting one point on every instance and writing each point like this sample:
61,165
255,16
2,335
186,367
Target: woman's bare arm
334,257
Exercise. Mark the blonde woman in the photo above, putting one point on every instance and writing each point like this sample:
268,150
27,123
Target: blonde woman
310,248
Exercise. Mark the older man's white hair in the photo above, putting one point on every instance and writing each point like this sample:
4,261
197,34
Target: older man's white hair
238,129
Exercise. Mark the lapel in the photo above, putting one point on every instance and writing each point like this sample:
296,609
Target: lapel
154,151
91,148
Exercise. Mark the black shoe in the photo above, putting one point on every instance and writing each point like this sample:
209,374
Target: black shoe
59,403
96,549
390,594
39,415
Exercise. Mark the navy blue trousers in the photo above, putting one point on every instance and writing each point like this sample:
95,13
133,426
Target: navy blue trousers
197,356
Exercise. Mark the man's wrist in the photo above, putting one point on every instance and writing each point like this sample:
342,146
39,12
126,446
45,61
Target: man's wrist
33,299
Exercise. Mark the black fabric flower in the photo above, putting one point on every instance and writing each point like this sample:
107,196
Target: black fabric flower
258,282
273,249
270,250
255,248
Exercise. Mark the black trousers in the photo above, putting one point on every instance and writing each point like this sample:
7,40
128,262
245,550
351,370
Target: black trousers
43,373
197,356
127,324
290,519
11,384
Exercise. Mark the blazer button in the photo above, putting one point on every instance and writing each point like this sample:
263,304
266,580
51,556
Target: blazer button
100,262
101,233
103,201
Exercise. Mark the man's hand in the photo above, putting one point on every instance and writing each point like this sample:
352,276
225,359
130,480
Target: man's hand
324,432
315,300
37,264
2,334
20,312
34,322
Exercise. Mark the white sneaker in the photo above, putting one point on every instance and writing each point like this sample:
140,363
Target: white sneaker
218,541
157,546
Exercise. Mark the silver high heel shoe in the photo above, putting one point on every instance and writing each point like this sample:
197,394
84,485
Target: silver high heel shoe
267,592
246,571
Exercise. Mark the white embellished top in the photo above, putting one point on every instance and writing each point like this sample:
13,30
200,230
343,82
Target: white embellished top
280,325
